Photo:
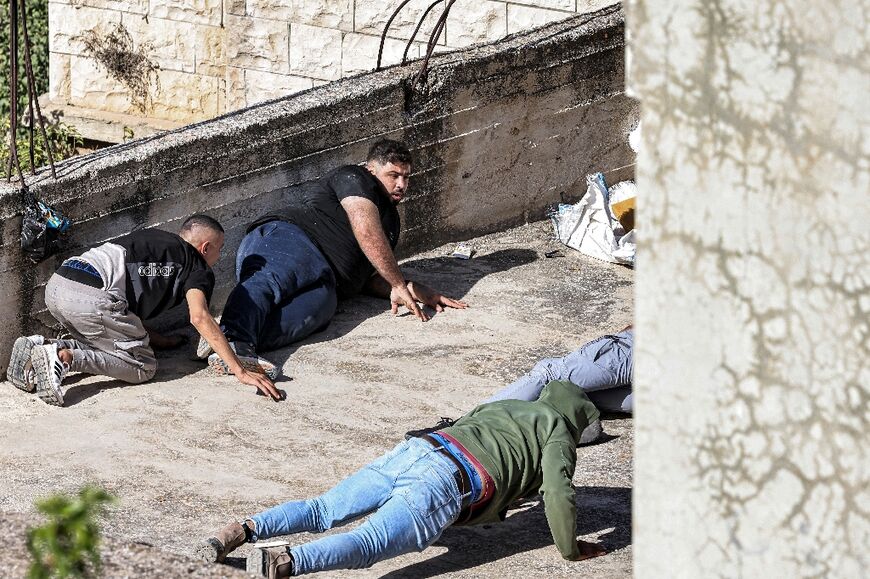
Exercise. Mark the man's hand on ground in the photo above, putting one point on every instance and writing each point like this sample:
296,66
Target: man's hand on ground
589,550
429,297
261,382
401,296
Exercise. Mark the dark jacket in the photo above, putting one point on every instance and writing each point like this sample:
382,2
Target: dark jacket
530,447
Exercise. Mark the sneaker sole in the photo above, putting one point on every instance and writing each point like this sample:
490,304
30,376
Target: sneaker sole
257,563
21,351
209,551
49,395
203,349
257,365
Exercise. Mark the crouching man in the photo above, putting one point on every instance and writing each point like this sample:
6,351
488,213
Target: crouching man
466,474
333,238
104,296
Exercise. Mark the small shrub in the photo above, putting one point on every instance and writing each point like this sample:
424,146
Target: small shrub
126,63
67,545
64,141
37,28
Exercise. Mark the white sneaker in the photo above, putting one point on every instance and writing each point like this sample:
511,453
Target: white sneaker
249,363
50,372
203,349
20,371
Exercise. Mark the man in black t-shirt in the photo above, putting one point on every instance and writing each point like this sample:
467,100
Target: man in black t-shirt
103,298
334,238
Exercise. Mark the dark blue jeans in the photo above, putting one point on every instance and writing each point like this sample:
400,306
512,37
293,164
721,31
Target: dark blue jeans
285,290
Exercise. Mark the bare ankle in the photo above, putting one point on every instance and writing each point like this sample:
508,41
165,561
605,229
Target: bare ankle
65,356
250,530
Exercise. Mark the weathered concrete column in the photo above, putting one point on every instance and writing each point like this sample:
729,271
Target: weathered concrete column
752,380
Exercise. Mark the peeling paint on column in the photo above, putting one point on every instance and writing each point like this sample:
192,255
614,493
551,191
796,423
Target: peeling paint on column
752,379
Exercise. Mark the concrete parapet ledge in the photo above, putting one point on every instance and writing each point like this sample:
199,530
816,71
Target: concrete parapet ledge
500,132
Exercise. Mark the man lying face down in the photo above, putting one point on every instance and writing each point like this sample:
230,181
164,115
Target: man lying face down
602,368
466,474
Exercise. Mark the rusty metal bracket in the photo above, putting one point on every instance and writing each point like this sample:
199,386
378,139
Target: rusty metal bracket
430,45
13,91
433,41
32,101
386,29
417,29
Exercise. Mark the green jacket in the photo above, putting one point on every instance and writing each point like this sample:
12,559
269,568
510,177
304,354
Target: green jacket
529,447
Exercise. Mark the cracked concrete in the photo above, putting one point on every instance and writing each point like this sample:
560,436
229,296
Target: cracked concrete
752,381
188,451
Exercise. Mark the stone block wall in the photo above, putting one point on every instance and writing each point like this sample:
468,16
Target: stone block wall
217,56
501,132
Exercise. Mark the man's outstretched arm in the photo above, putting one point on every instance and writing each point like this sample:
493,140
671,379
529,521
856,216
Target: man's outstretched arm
557,464
366,225
201,319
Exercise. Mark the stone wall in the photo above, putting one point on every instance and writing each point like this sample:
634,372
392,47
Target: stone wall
218,56
500,132
753,316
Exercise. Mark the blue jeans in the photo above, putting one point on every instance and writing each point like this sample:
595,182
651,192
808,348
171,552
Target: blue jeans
285,290
410,491
602,368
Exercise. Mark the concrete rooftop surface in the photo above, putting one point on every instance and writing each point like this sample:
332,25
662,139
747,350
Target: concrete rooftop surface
189,451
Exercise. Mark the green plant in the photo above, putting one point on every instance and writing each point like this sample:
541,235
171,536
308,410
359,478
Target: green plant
124,61
37,28
64,140
67,545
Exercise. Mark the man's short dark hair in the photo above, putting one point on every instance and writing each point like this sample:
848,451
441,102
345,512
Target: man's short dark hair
201,220
385,151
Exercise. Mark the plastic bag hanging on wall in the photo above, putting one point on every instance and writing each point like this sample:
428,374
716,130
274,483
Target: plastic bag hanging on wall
41,228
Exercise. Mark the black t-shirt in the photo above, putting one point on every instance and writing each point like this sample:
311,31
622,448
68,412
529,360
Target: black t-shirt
161,267
315,207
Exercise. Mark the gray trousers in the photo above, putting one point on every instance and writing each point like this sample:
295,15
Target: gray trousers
107,339
602,368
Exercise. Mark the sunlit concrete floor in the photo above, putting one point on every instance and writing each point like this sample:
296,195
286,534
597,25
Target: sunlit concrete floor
189,451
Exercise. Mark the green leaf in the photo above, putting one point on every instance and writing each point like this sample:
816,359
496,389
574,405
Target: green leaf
67,545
